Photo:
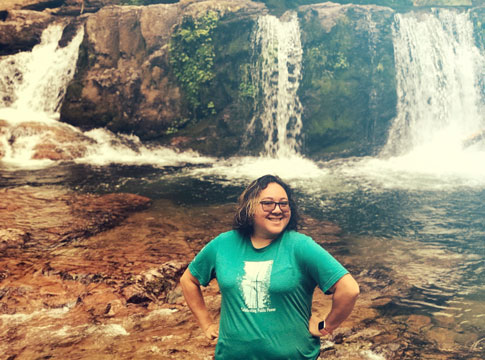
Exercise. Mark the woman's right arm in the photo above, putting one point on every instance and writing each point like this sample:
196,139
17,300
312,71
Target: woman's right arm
195,300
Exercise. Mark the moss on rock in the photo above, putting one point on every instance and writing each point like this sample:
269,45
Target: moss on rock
348,70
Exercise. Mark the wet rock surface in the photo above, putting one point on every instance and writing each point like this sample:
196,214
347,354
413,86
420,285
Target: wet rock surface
40,218
21,30
125,81
46,141
73,286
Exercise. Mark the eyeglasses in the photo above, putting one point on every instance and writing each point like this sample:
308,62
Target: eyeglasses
269,206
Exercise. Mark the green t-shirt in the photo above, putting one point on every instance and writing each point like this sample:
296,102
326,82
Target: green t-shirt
266,294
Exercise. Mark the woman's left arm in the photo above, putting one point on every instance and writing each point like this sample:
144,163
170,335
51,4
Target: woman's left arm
345,293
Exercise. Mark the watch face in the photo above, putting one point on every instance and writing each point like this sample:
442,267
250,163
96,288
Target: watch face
321,325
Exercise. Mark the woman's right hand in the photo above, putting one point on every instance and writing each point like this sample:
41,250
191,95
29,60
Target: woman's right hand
212,331
195,300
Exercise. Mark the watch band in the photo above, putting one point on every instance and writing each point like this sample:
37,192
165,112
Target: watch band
321,325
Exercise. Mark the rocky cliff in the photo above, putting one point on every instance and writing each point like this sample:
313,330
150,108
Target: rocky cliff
125,79
179,73
131,79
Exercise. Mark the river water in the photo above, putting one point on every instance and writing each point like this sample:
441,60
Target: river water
415,212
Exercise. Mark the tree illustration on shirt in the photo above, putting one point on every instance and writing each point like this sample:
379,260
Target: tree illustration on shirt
255,285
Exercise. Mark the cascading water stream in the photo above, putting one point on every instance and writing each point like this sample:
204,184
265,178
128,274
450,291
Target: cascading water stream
437,139
32,87
36,81
438,68
278,73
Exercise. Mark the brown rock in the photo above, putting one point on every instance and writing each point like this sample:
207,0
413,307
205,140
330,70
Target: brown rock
72,299
33,217
416,323
321,231
127,84
22,30
16,4
54,141
443,338
12,238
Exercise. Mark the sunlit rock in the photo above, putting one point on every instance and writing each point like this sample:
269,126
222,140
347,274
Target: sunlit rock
155,284
40,140
21,30
125,81
12,238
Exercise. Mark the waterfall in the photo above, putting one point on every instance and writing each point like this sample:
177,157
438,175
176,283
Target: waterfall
35,82
32,87
277,73
438,70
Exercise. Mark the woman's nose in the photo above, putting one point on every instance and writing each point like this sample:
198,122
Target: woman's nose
277,209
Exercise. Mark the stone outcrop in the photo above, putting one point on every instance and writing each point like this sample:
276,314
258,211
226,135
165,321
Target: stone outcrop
47,140
21,30
127,83
348,87
124,80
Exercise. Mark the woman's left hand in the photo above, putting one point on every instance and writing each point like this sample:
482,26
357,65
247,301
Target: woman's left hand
313,328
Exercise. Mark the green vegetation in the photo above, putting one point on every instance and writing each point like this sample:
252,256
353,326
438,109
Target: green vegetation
192,59
346,84
210,58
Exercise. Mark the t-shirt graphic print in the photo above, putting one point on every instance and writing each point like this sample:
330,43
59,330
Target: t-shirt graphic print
255,286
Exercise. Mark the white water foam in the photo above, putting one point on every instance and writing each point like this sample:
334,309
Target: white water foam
35,80
438,71
370,355
436,134
419,154
109,148
277,72
437,140
32,86
22,318
242,169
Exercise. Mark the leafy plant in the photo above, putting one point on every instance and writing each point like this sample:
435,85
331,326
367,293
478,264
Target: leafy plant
340,74
192,59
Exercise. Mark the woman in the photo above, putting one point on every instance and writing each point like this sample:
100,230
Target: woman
267,273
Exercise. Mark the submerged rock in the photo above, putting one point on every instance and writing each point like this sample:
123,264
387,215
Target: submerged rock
74,285
40,218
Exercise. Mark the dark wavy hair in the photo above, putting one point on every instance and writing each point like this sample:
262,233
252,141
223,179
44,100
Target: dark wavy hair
248,200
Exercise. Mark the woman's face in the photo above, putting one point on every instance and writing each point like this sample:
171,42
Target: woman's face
269,224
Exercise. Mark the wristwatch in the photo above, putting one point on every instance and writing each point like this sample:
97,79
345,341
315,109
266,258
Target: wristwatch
321,325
